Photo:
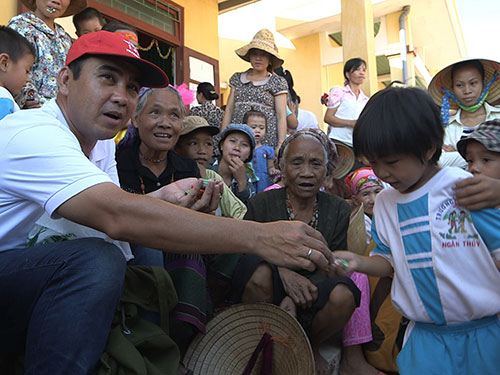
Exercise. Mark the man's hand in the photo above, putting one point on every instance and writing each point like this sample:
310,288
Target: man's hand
302,292
287,244
449,148
479,192
189,193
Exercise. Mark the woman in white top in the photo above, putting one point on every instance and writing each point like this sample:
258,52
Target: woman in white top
346,103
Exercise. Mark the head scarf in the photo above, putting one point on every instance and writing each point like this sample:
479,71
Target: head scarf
362,178
327,143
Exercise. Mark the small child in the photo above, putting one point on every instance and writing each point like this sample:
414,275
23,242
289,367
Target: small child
263,155
364,187
17,57
481,149
88,21
196,142
446,280
236,145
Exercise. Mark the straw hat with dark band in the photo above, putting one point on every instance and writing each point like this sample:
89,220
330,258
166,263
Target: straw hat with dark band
233,335
263,40
74,6
443,79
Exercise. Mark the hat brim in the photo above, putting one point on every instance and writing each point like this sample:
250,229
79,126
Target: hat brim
74,7
211,129
244,53
345,161
443,79
233,335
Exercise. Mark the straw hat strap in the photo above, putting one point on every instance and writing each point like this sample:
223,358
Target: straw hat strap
265,346
445,107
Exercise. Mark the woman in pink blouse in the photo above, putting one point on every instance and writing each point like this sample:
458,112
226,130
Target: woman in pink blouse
346,103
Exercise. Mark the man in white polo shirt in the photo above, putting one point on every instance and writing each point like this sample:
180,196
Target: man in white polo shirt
58,299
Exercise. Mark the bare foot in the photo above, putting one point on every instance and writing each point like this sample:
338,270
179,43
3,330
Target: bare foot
288,305
354,362
322,366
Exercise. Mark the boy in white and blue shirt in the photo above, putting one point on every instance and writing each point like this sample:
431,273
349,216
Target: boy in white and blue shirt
17,56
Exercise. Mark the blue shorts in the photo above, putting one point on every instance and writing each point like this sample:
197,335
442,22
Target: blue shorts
470,348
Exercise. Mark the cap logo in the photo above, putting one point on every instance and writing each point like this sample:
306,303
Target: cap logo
132,49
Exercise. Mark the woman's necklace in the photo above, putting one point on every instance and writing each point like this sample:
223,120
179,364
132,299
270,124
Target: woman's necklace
291,214
156,161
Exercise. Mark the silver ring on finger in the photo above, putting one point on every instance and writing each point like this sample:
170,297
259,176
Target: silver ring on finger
308,256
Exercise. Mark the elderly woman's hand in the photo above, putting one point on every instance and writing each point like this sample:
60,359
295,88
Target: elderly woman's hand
189,193
298,288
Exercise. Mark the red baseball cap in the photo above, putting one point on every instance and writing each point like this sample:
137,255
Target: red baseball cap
113,44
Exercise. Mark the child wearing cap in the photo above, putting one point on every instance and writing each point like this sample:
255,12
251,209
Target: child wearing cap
364,187
236,146
196,142
17,56
263,155
481,149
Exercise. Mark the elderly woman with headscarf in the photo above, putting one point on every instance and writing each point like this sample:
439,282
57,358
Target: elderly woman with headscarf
322,304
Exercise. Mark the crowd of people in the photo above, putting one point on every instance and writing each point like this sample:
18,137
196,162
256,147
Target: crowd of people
250,203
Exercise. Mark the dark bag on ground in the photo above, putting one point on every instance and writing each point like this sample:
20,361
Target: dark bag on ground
137,346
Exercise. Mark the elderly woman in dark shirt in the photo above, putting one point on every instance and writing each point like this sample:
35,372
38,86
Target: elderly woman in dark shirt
322,304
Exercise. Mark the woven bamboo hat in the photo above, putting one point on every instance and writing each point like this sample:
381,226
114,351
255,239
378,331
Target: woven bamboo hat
233,335
443,79
74,6
356,234
263,40
345,160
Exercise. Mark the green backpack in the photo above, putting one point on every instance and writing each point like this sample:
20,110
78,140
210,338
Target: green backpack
136,346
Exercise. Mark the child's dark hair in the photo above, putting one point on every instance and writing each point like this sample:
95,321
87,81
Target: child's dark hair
115,25
476,64
254,112
85,15
14,44
399,120
351,65
207,90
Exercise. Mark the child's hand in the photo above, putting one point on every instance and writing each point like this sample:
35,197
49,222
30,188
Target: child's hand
345,263
237,168
272,171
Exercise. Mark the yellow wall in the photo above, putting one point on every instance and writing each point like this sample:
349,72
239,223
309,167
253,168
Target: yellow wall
201,26
9,10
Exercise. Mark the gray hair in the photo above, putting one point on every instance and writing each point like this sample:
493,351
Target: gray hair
143,99
284,148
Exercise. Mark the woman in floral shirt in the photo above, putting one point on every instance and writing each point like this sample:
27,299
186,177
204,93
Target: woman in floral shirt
51,43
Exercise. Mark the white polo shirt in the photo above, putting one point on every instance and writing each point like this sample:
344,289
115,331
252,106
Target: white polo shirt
42,166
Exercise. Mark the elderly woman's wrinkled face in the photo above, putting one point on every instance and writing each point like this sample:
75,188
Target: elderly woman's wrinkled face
304,168
467,85
160,121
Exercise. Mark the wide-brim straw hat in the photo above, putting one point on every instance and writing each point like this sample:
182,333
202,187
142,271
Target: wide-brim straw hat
263,40
345,161
356,233
74,7
443,79
233,335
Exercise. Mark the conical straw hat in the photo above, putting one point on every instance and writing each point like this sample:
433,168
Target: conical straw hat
75,6
443,79
356,234
233,335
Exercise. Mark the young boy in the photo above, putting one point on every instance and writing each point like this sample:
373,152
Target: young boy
481,149
88,21
17,56
236,145
263,155
195,142
445,282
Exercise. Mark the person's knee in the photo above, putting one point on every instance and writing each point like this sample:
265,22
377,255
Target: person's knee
260,283
342,297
